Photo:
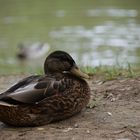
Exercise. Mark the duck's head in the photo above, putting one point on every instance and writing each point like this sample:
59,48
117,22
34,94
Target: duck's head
62,62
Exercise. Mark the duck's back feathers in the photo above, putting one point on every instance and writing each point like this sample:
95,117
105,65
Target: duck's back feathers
21,91
29,90
33,89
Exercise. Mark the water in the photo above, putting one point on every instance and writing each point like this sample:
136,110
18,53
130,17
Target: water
93,32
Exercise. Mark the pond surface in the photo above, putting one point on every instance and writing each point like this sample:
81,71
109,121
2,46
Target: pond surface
93,32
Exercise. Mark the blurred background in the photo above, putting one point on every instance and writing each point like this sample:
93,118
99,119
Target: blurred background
94,32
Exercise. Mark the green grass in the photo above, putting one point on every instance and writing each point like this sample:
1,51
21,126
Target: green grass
107,72
113,72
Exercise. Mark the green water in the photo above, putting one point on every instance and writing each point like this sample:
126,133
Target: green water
93,32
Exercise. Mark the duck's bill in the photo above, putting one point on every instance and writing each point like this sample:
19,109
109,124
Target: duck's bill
77,72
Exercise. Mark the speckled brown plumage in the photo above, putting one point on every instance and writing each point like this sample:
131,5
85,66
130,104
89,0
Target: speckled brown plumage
39,100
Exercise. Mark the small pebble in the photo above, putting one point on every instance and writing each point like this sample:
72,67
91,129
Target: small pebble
88,131
68,129
40,128
76,125
113,99
109,113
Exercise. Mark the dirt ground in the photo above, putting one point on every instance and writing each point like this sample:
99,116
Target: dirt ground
112,114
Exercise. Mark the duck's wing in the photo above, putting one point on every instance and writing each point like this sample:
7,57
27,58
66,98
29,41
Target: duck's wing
22,83
31,90
21,91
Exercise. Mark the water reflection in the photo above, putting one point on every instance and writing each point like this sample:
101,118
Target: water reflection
60,13
13,19
105,44
112,12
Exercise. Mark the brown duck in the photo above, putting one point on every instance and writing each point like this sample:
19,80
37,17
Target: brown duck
38,100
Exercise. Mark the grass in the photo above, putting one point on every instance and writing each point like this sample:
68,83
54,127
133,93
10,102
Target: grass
108,72
113,72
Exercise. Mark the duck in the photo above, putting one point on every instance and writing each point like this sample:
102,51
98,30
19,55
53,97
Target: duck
38,50
58,94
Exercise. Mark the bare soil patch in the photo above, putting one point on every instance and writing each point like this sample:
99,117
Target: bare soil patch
112,114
